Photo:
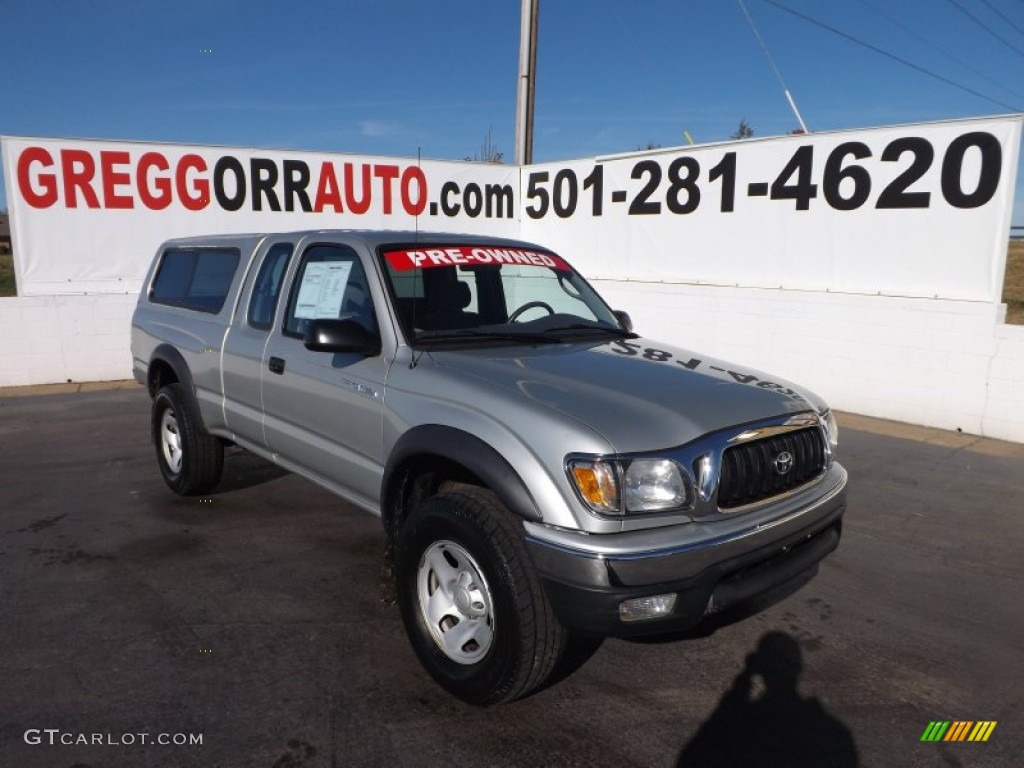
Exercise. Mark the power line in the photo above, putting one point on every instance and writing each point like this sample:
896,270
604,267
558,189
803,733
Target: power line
632,38
1002,16
764,45
892,56
910,31
640,50
771,60
987,28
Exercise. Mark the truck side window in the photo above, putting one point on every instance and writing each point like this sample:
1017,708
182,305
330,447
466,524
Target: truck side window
267,287
331,283
195,278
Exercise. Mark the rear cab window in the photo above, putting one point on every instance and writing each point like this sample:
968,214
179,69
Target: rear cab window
195,278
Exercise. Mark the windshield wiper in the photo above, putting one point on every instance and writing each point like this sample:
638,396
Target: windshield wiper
481,334
589,327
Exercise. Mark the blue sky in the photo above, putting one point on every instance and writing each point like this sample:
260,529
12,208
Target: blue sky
394,76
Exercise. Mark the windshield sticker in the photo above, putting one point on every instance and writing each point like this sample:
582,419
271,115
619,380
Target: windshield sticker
408,259
323,285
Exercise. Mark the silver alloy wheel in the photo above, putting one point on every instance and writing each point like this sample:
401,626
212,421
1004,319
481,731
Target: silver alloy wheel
170,441
455,602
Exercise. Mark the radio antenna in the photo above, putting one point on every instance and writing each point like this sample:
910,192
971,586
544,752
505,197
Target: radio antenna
416,218
415,271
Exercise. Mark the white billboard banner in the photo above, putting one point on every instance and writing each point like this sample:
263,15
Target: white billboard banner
915,210
918,210
87,216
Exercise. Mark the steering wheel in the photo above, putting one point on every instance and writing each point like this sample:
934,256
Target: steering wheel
530,305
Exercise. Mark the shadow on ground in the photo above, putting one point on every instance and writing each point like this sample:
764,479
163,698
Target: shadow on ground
245,470
762,721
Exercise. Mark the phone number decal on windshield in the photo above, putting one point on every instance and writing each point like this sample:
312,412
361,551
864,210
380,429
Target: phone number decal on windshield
840,179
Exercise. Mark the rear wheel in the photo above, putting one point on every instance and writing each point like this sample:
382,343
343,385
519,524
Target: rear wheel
471,602
190,460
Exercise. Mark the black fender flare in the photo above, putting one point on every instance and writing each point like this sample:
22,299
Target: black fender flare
169,355
467,450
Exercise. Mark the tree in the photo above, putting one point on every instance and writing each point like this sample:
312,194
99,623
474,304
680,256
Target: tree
488,152
744,131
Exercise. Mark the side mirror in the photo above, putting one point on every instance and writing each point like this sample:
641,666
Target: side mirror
329,335
624,319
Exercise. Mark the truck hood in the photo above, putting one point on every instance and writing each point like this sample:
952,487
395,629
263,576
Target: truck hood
640,395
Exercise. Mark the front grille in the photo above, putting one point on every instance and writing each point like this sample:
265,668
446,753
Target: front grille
749,471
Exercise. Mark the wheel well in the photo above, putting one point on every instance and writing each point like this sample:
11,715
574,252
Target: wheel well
160,375
417,479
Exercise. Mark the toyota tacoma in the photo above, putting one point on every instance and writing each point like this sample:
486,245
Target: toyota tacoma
542,472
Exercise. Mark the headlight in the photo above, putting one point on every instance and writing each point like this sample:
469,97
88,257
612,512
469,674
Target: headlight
616,487
653,485
831,429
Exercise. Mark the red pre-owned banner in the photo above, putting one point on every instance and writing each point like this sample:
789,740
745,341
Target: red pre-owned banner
469,255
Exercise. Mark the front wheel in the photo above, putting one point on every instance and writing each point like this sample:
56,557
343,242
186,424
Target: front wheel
190,460
473,606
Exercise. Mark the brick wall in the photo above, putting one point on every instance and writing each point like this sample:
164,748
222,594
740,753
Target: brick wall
47,339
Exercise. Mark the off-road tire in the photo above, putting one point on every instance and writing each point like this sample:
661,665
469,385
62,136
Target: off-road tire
195,464
527,640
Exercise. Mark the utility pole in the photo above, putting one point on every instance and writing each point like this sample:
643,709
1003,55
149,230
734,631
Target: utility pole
527,81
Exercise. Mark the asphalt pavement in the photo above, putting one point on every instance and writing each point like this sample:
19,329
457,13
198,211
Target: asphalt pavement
259,620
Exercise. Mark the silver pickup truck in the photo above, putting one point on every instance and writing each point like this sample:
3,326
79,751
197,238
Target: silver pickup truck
542,472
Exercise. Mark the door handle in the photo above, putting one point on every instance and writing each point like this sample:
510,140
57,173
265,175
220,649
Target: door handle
276,365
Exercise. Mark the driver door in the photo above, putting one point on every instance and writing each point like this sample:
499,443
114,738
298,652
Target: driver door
324,411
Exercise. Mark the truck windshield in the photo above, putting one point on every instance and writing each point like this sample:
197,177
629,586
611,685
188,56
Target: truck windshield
484,293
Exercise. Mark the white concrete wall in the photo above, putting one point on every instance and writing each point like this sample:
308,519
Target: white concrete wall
940,363
55,339
948,364
1004,407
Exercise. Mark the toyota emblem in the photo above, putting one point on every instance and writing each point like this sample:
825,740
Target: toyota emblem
783,462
